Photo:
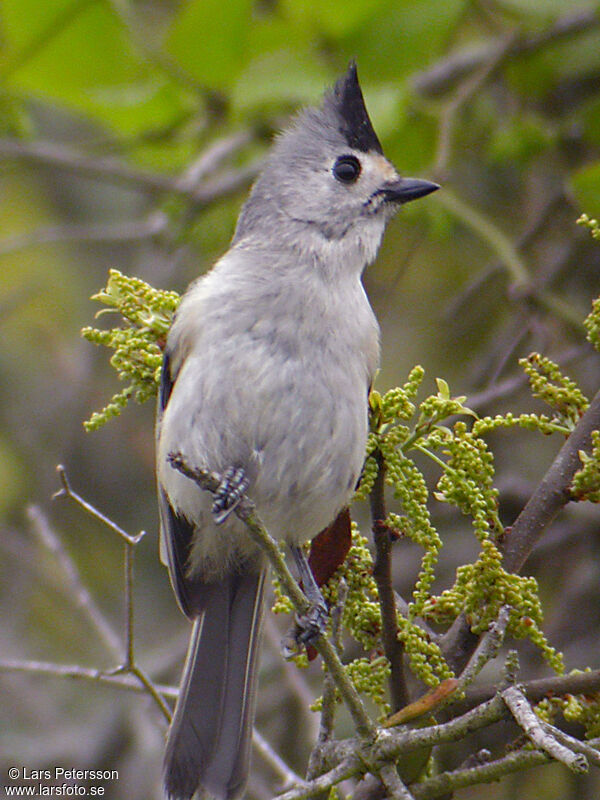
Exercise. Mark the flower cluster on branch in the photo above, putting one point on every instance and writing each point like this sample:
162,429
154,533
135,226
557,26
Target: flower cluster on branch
404,434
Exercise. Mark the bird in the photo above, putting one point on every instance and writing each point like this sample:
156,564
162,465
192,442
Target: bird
265,380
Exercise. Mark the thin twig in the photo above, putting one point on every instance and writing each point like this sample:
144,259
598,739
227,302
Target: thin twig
550,496
591,753
129,665
134,231
394,786
351,757
536,227
129,614
346,769
541,738
487,649
354,758
464,93
497,391
511,260
130,682
536,690
316,761
552,493
446,783
522,288
405,740
116,679
277,764
382,573
113,171
245,511
67,491
73,583
150,688
211,159
447,72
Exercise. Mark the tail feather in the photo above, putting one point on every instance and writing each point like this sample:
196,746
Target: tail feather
209,739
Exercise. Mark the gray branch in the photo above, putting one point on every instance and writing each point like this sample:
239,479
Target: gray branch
113,171
550,496
449,71
541,736
245,511
73,584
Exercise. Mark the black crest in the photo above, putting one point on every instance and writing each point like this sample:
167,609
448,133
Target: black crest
349,104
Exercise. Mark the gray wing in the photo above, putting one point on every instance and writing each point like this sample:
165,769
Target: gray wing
176,533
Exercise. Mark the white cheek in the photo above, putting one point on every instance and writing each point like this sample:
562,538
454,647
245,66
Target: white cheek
370,235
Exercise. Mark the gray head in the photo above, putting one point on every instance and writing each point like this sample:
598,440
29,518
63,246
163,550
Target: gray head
327,180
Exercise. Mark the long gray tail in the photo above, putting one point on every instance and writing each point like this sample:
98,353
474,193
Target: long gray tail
209,740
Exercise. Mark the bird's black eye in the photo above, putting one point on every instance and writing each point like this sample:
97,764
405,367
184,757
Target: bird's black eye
346,169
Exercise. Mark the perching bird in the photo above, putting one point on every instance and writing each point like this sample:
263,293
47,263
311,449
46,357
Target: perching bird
266,374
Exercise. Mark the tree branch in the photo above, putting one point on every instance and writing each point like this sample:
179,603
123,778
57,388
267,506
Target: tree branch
495,57
277,764
117,680
245,511
447,782
328,703
129,664
73,584
446,73
550,496
353,757
552,493
487,648
382,573
394,787
134,231
116,172
536,690
541,737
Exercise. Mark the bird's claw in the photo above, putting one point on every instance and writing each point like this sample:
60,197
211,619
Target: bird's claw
305,630
311,624
229,493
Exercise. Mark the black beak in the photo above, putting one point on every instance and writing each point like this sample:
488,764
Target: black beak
406,189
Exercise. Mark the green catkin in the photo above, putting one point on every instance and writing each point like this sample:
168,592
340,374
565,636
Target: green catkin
402,434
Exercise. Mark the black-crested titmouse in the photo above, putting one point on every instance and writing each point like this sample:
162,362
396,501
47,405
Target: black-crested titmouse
265,381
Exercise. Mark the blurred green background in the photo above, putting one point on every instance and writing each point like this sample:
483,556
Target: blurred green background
107,111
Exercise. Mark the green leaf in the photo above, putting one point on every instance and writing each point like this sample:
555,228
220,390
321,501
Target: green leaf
519,139
331,18
536,74
82,58
281,78
590,121
443,388
412,147
403,37
28,24
585,185
89,49
209,39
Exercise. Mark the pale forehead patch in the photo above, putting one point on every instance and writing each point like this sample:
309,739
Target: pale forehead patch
384,166
381,165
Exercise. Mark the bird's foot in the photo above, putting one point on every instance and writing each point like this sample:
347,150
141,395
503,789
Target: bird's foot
306,628
312,624
231,490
